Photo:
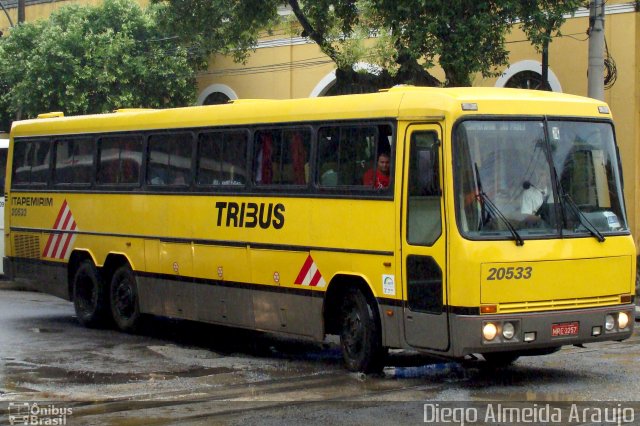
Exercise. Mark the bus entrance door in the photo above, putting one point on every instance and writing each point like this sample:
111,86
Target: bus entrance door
423,241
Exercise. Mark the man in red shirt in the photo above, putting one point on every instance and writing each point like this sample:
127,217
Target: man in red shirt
379,178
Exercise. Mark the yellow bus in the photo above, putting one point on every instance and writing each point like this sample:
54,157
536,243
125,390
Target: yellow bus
455,222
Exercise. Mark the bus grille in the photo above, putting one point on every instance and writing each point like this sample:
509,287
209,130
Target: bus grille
27,245
549,305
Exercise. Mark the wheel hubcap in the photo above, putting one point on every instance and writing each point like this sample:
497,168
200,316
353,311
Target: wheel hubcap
124,299
352,333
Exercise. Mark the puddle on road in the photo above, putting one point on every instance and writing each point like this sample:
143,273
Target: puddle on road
44,330
48,375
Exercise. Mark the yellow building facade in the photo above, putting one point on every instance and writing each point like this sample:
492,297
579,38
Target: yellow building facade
293,67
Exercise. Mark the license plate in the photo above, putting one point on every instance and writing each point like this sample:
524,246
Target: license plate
565,329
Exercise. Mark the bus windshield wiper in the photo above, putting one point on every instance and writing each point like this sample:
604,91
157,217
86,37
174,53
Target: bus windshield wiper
484,198
583,219
497,213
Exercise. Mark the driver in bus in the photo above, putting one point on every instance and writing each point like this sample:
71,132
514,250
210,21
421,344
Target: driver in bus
534,197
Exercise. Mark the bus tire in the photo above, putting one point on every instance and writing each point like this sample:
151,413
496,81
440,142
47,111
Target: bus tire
90,296
125,308
500,359
360,336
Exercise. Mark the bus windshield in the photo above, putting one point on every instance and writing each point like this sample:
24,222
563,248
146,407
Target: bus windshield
534,179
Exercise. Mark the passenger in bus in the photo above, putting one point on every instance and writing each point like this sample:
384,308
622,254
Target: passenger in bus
379,177
179,178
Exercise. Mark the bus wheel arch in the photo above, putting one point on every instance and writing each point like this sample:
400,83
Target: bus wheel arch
351,310
75,260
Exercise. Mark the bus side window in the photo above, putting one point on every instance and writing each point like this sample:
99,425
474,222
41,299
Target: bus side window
169,161
31,162
222,158
40,165
263,158
423,210
74,161
295,157
119,159
282,156
21,162
347,153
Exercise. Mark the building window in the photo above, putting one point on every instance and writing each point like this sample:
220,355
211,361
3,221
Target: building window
216,98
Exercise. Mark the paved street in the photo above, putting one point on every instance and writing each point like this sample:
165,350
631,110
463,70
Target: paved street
184,373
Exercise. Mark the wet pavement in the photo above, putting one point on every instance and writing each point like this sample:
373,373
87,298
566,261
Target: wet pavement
179,372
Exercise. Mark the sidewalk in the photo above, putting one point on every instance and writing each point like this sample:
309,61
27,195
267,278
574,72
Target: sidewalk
10,285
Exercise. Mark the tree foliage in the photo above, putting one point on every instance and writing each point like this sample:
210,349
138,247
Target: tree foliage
230,27
412,37
92,60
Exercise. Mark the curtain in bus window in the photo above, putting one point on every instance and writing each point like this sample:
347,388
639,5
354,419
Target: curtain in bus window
170,159
282,156
294,158
299,157
264,174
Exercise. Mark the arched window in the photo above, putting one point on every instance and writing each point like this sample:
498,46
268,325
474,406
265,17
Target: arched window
527,75
216,98
525,80
216,94
327,85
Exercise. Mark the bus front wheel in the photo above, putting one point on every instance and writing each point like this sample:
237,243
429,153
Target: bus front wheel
124,300
360,335
90,298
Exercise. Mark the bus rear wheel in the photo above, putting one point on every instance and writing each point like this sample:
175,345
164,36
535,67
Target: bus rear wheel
124,300
360,336
90,296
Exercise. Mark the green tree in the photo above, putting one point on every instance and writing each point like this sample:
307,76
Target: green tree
541,21
412,37
92,60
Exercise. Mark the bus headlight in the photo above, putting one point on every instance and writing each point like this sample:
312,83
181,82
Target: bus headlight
508,330
623,320
609,322
489,331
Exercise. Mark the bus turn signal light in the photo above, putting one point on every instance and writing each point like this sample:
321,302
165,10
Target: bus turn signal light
626,298
488,309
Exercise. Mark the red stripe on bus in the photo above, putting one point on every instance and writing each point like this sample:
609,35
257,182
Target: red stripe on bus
59,218
316,278
68,238
55,226
50,241
57,245
304,270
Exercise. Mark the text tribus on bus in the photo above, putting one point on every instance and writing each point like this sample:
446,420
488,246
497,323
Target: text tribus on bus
451,221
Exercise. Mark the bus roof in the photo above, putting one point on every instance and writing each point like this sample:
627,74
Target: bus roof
402,102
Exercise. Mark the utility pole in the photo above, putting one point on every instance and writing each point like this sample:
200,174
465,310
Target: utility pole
595,72
21,13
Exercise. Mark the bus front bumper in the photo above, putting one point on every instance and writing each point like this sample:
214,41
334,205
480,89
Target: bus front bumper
538,331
